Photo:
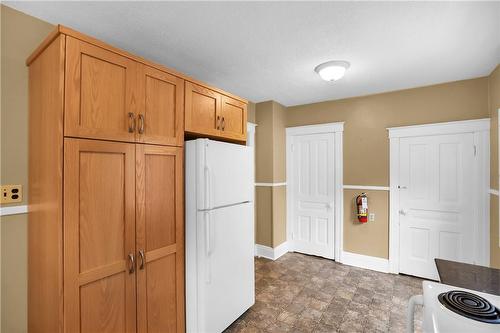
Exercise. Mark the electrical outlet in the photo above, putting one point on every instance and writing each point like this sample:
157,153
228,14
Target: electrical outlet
11,193
371,217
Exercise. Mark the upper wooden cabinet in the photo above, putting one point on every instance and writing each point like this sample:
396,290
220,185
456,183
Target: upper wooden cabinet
210,113
100,93
202,110
233,119
161,114
110,96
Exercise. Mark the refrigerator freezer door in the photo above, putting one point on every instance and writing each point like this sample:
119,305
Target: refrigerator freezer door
224,175
225,281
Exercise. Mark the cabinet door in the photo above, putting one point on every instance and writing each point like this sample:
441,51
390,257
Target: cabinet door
202,110
233,119
161,119
160,239
99,94
99,236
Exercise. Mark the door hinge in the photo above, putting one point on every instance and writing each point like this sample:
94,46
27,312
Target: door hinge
291,147
475,150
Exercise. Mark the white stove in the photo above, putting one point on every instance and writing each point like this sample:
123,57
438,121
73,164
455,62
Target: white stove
449,309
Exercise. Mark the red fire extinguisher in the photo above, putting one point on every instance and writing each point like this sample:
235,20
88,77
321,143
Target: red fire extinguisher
362,207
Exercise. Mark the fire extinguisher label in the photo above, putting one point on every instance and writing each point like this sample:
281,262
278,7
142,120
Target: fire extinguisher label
364,203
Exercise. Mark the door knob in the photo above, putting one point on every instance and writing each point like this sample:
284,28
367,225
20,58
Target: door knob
403,212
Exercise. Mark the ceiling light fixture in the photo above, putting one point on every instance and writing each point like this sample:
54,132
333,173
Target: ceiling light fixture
332,70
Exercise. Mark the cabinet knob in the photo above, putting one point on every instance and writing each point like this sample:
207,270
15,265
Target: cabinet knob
223,123
218,122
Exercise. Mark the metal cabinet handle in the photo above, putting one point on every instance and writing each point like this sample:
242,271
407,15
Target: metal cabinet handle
223,123
131,122
218,122
141,124
141,255
131,267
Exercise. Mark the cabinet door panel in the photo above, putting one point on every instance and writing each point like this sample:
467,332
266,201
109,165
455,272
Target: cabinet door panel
163,108
202,110
100,93
160,236
99,234
234,119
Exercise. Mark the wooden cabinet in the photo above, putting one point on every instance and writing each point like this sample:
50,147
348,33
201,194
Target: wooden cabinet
109,96
123,244
202,109
233,119
100,93
160,119
106,224
213,114
160,239
99,236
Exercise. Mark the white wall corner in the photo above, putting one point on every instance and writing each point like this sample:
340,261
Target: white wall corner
269,252
367,262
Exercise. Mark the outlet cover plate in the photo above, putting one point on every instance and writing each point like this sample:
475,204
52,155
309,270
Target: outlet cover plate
11,193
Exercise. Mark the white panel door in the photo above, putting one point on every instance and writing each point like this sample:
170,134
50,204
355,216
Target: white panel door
313,194
436,193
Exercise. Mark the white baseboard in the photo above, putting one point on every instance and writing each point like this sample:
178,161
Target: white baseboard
368,262
269,252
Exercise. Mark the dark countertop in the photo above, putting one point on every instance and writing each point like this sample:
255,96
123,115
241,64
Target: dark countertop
474,277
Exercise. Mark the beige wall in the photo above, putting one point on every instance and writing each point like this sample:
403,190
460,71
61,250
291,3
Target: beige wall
251,112
279,143
494,105
20,35
270,168
371,238
279,215
263,143
264,215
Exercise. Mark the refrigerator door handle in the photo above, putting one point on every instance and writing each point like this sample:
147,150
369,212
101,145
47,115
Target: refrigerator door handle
208,245
208,249
207,187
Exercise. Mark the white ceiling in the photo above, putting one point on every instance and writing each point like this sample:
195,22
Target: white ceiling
264,51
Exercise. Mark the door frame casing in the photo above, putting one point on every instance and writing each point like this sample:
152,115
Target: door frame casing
337,130
480,128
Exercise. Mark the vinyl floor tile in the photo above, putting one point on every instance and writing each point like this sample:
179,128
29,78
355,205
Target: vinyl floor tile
301,293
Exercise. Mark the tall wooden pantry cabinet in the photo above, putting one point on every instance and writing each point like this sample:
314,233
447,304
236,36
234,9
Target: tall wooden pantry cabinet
106,200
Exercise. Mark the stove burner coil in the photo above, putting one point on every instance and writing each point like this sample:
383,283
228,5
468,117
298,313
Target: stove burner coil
470,305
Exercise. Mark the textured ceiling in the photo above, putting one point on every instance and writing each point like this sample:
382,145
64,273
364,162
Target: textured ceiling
264,51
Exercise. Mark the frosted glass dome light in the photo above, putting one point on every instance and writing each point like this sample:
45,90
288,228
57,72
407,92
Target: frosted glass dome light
332,70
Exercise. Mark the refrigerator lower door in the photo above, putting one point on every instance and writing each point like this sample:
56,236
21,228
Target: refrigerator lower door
225,266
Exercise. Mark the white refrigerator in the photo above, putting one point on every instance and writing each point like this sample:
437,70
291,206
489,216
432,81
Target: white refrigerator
219,234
